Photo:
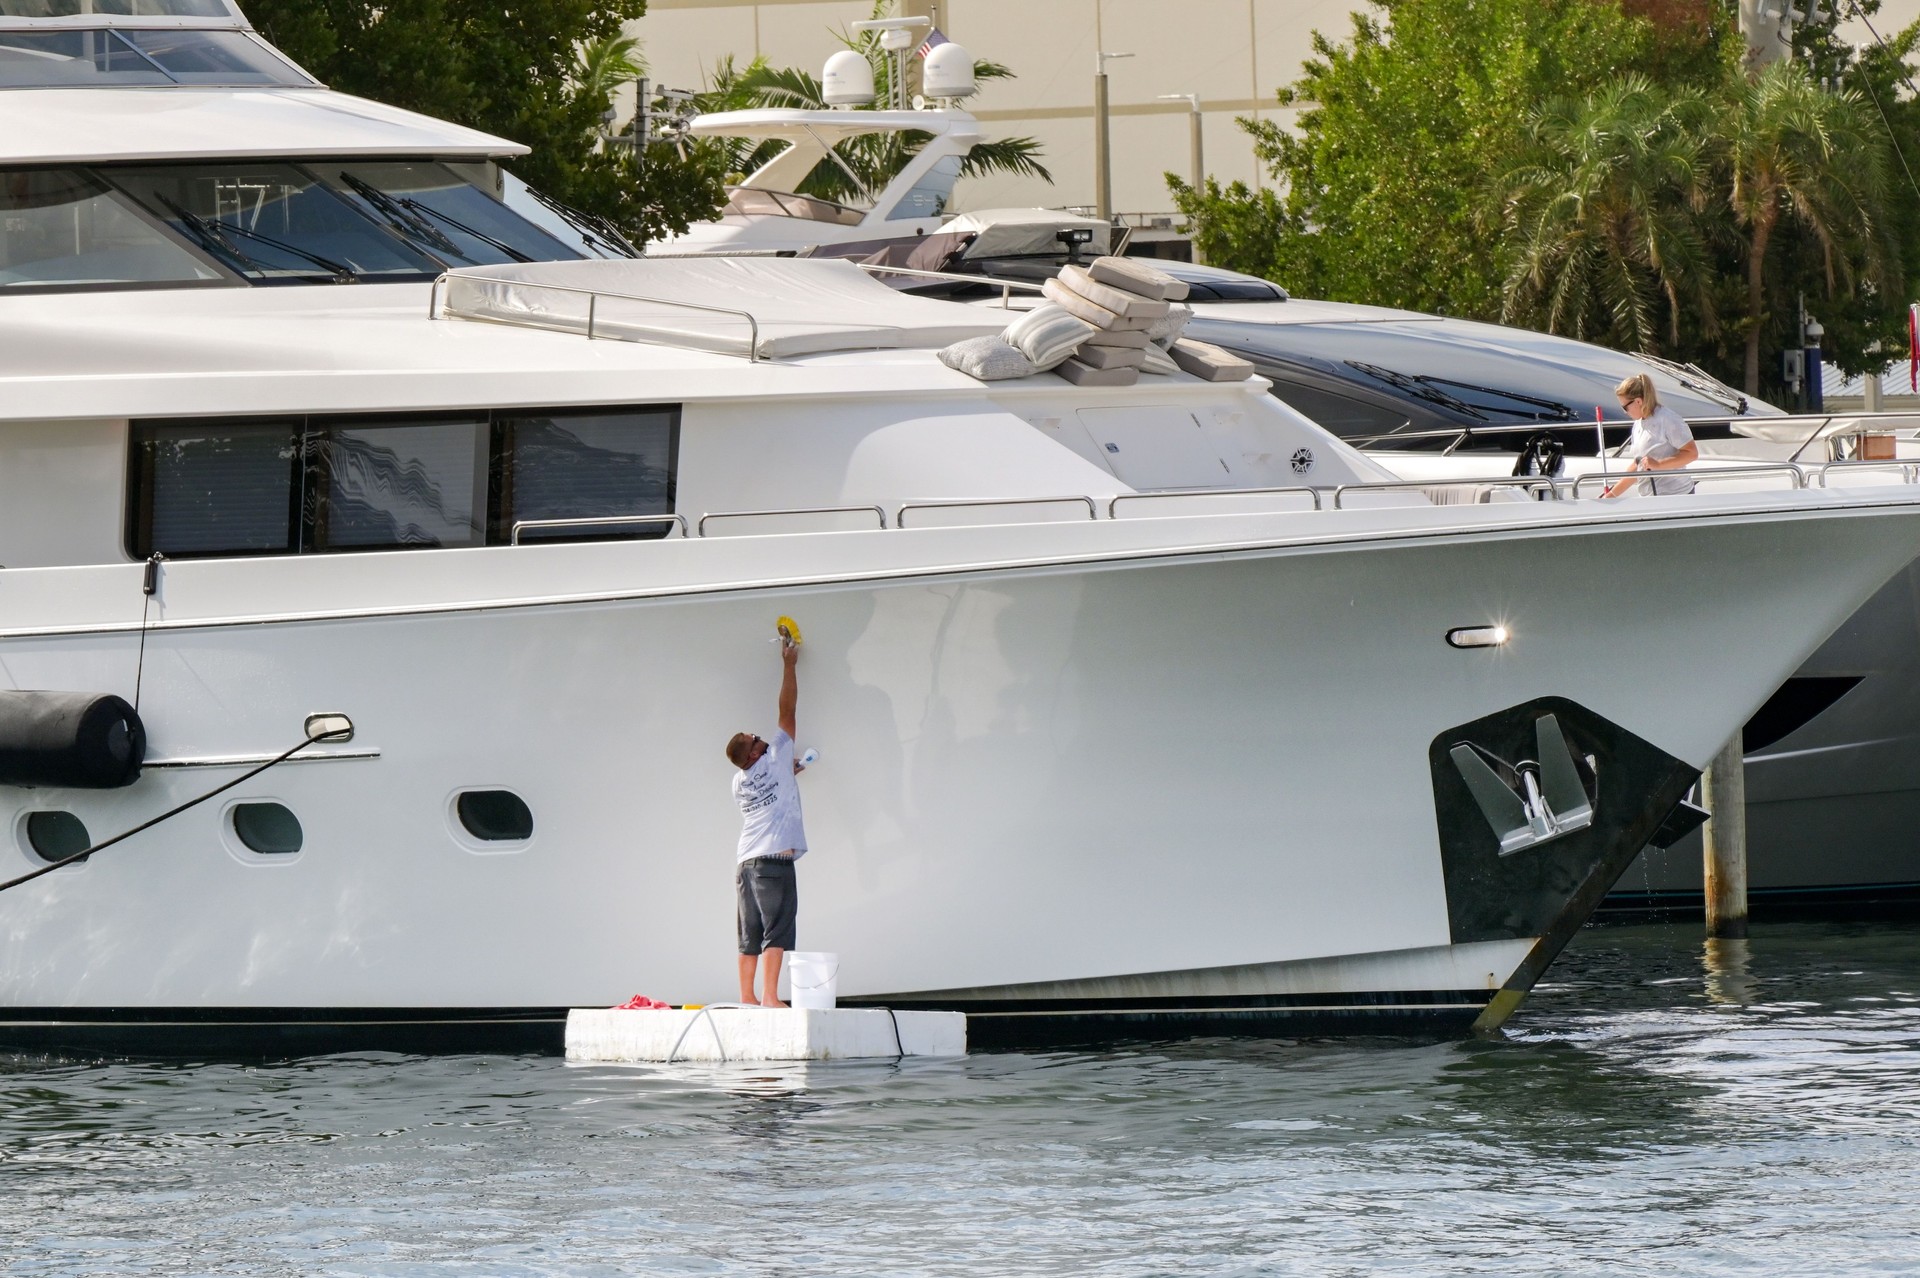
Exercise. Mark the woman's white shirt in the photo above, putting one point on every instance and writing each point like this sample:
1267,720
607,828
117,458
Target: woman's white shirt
1659,435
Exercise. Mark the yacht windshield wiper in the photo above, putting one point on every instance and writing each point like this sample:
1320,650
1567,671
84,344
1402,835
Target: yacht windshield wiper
1418,388
1698,380
419,211
399,216
427,210
597,231
210,239
214,232
1550,410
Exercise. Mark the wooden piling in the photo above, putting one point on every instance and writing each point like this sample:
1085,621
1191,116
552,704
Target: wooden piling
1725,844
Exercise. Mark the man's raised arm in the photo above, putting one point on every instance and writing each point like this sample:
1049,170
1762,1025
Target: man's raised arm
789,687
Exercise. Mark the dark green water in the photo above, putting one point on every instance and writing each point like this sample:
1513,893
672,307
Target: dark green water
1648,1112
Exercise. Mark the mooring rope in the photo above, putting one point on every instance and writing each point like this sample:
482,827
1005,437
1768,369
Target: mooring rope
51,866
149,584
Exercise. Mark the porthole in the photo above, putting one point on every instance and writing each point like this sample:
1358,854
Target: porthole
54,836
270,829
494,816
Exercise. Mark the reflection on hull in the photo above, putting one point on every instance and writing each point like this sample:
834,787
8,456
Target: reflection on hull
1832,807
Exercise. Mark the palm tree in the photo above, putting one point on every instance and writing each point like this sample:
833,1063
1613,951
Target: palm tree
602,66
1605,217
1799,158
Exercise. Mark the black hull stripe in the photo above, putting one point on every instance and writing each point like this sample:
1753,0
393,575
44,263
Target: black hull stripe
1833,903
291,1032
1381,1000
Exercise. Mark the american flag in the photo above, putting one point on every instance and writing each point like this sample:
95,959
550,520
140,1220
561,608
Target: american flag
934,40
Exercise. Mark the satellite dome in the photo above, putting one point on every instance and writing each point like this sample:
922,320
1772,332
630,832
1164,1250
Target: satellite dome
847,79
948,72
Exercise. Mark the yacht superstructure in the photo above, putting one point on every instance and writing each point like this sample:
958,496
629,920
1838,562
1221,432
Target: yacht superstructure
1143,709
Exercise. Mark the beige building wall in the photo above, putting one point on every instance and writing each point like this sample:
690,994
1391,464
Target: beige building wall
1234,54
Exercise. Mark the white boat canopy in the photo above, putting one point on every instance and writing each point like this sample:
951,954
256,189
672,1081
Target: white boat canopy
775,308
97,126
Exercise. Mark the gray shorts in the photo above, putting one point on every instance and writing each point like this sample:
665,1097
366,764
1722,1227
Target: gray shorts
769,900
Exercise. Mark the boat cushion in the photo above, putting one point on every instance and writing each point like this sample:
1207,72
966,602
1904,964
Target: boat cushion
1158,361
1048,334
988,359
1113,356
1083,374
1135,276
1133,338
1092,312
1117,300
1166,329
1210,363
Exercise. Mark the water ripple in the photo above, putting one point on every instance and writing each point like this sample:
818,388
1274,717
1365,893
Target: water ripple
1657,1108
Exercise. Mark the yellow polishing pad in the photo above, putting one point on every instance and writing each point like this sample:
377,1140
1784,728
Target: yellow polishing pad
788,628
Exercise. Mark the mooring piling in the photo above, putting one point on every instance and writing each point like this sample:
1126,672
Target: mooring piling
1725,843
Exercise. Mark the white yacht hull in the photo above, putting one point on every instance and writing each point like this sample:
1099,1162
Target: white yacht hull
1145,774
1831,806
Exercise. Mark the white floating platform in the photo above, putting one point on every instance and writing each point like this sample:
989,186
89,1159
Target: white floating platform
761,1034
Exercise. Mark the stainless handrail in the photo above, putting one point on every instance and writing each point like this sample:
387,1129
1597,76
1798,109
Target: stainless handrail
1499,481
593,297
1909,470
700,529
514,536
1212,492
900,515
1384,442
1006,286
1693,474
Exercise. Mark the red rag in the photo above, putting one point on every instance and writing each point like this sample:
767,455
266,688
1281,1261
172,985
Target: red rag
641,1003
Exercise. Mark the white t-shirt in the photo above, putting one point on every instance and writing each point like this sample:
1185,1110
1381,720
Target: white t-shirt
1659,435
769,797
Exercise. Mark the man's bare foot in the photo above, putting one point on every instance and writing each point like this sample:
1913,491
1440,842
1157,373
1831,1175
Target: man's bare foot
771,1002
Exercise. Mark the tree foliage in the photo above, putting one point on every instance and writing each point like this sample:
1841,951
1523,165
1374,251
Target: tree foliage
1603,168
1400,128
1607,217
513,71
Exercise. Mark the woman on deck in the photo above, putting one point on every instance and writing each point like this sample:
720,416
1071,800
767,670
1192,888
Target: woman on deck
1660,439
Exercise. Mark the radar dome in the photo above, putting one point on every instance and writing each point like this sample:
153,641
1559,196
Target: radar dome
847,79
948,72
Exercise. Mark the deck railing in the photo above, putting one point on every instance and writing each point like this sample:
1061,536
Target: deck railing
1521,486
594,297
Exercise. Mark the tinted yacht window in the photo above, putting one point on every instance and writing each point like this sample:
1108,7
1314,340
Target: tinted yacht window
930,194
53,59
585,465
442,214
70,59
213,57
62,229
311,485
273,223
390,486
218,488
1341,414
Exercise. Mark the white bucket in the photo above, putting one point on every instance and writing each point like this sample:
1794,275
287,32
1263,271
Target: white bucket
814,978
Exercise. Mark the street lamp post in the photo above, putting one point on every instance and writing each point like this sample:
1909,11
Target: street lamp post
1102,139
1193,133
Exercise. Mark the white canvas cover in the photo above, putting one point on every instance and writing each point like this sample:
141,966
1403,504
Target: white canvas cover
799,306
1027,232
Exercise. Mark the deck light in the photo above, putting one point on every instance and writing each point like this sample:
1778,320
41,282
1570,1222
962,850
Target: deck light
331,728
1478,636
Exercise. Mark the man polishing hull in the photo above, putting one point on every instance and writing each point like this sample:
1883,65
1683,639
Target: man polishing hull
767,788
